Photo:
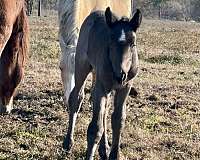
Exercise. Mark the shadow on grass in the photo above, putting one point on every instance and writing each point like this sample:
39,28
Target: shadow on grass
42,104
43,94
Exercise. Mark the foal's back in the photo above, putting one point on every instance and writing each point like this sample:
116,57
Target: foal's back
93,38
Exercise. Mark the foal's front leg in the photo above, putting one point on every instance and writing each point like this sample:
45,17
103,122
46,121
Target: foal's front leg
104,147
75,100
118,119
96,127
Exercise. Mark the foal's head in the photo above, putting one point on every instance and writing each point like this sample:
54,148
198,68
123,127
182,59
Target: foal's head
122,43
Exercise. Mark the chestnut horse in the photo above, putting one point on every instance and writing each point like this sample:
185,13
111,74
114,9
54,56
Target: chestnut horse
13,49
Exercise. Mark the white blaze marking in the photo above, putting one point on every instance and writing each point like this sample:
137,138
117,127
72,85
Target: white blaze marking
122,36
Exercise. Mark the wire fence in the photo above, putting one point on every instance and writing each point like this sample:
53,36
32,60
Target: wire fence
41,7
168,9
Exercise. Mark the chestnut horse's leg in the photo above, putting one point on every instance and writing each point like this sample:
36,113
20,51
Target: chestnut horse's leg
6,27
96,126
4,37
75,99
118,119
13,49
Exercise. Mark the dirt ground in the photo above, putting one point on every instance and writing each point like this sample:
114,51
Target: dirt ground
163,120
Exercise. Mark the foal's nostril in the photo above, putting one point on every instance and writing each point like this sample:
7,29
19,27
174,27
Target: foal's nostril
123,76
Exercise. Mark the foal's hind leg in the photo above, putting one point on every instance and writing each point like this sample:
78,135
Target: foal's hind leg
118,118
75,99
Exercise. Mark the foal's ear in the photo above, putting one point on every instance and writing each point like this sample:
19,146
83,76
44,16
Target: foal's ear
136,20
110,19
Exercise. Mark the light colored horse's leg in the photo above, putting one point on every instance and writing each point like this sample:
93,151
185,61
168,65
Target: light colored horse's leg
75,100
117,120
96,126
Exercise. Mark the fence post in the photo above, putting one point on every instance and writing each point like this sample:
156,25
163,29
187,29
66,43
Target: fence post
39,7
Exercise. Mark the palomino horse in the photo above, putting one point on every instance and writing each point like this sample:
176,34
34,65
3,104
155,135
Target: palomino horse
13,49
107,45
71,16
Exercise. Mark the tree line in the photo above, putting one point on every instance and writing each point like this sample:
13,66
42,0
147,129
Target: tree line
168,9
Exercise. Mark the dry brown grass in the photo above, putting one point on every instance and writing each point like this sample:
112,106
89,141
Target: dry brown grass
162,121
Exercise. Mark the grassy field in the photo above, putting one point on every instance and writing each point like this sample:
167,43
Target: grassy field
163,121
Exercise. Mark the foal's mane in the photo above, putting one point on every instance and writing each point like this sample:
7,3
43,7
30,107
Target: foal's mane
123,19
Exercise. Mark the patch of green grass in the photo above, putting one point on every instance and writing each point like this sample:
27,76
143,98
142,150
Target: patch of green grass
33,134
193,62
2,156
166,59
152,122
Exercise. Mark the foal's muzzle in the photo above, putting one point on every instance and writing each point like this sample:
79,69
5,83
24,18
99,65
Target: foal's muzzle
121,77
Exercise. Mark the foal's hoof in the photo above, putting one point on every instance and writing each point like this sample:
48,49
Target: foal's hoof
67,144
118,156
2,110
104,152
103,156
5,110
